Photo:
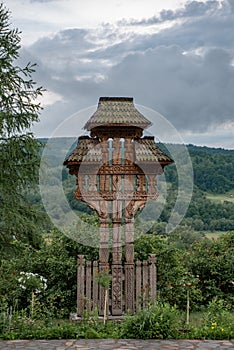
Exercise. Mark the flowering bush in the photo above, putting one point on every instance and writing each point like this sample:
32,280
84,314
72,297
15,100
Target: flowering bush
32,281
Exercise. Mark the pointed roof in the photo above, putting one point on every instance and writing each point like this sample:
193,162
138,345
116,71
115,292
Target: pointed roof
117,111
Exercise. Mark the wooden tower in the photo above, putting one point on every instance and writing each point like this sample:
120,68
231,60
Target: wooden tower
116,168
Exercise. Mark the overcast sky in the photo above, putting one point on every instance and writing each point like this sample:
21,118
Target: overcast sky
175,57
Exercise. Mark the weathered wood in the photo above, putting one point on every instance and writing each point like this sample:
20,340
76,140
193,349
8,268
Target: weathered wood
102,268
104,241
129,288
117,242
116,170
80,285
145,284
95,284
153,277
116,294
138,285
88,296
129,240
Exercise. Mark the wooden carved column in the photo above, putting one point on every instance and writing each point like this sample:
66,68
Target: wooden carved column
117,259
129,265
116,275
152,184
103,257
103,213
80,284
116,234
153,277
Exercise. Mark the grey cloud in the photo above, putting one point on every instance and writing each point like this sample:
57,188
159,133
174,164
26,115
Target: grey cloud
214,29
66,53
191,9
194,92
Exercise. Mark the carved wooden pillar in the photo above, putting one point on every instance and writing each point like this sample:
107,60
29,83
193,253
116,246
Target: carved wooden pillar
104,178
88,282
104,241
129,266
145,283
152,186
129,240
117,155
117,232
103,258
152,277
117,259
129,150
80,284
117,289
95,285
138,285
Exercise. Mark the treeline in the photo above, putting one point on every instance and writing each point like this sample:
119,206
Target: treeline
209,166
213,168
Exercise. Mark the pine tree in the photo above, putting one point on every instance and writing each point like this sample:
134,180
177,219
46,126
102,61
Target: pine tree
19,149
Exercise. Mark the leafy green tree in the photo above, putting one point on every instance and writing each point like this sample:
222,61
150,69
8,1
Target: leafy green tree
19,149
213,261
56,261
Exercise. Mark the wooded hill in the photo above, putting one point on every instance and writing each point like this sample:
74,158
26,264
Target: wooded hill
213,170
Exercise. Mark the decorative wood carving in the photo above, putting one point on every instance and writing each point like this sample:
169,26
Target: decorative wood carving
116,289
104,241
116,168
80,285
129,288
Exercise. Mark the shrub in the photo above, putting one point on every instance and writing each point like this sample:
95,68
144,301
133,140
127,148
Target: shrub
157,321
217,322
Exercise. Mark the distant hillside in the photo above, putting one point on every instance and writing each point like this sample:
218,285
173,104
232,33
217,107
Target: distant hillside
210,208
213,167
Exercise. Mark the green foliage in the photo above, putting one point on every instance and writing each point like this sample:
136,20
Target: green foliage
208,266
104,278
213,168
213,262
158,321
203,214
19,150
217,322
18,325
56,261
183,237
208,214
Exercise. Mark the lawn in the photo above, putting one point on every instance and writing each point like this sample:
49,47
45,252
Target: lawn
229,197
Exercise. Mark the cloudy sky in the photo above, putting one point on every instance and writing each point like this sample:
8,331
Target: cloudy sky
173,56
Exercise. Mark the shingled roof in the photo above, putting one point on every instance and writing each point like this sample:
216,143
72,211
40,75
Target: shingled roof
147,151
117,111
87,150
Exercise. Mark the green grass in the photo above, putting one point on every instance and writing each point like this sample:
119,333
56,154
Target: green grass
229,197
214,235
